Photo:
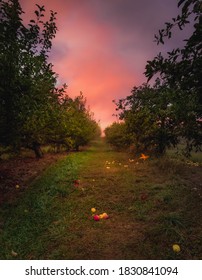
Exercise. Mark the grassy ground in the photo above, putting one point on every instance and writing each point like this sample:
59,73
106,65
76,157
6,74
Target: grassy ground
151,204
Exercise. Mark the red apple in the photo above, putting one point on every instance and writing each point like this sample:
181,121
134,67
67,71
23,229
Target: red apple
76,183
96,217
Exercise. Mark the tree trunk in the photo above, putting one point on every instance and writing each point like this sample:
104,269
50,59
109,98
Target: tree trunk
37,149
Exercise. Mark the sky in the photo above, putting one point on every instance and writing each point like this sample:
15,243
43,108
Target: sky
102,46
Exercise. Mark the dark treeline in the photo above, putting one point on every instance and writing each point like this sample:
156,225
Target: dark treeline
33,111
159,116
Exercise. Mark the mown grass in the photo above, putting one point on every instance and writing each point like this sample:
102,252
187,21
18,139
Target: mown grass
152,205
26,220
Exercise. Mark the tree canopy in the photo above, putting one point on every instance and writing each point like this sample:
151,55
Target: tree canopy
33,111
159,116
117,136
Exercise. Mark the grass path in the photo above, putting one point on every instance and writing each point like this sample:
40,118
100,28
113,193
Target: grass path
151,206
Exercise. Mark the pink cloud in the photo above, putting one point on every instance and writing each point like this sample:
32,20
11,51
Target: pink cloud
101,47
92,65
83,55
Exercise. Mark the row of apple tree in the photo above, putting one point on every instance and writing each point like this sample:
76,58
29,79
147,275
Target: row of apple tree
33,110
159,115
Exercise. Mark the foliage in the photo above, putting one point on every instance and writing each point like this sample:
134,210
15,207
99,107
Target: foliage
181,71
159,116
73,124
149,118
32,110
117,136
182,67
27,79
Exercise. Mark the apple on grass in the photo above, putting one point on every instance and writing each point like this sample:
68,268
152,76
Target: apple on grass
96,217
105,216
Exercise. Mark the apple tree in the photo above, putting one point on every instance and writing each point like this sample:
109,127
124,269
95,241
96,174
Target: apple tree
27,80
181,72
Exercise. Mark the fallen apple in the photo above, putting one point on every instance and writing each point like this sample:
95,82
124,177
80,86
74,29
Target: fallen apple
93,210
105,216
96,217
77,183
176,248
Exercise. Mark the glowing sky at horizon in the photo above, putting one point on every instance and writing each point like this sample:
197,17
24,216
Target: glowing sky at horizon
102,46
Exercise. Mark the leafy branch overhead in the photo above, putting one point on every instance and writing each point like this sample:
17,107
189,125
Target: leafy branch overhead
182,67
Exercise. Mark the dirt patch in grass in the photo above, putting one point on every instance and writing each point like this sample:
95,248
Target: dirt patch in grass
16,174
